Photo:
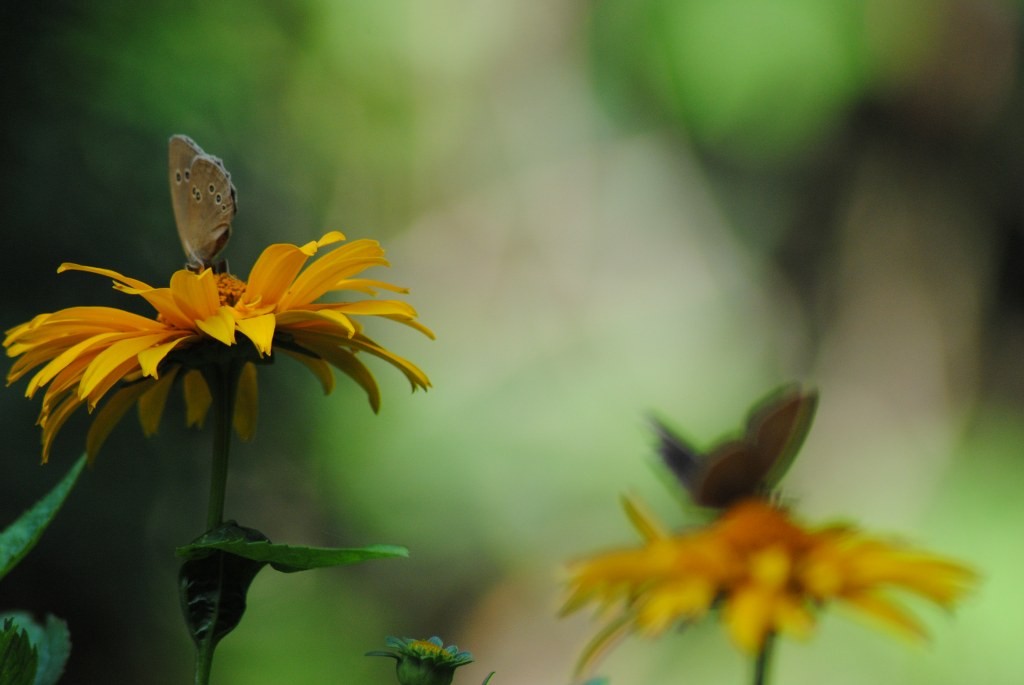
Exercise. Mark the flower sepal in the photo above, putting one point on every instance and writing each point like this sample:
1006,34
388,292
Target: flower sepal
425,662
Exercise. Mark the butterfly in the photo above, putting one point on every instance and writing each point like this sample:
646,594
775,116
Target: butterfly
751,465
204,202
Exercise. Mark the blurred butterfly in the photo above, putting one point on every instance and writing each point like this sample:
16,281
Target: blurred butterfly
752,465
204,202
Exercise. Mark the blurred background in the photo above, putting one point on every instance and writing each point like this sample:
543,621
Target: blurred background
605,210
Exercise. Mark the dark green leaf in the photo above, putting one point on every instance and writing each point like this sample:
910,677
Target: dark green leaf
18,658
213,584
291,558
22,535
52,643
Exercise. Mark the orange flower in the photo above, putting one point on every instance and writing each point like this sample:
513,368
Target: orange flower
768,573
85,352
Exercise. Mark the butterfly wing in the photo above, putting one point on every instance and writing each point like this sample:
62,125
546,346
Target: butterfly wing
181,150
682,460
730,473
211,208
754,464
203,198
778,428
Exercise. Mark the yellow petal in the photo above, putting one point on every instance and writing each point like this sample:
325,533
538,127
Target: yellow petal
149,360
220,326
683,599
197,398
887,613
323,274
328,321
347,363
318,367
112,412
61,361
603,642
195,294
394,308
55,419
153,401
246,403
111,364
275,270
642,520
368,286
259,329
415,376
748,617
793,618
162,300
131,282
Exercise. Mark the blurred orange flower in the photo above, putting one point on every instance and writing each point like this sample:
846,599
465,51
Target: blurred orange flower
768,573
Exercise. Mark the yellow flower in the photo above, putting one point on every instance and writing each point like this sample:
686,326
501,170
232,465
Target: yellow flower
85,352
766,572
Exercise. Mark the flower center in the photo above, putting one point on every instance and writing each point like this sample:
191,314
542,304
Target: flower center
425,648
229,289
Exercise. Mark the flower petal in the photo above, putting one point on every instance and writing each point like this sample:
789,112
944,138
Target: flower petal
131,282
55,419
260,330
323,275
153,401
888,613
195,294
642,520
747,615
112,412
246,403
275,270
149,360
110,365
330,322
61,361
347,363
198,398
220,326
318,367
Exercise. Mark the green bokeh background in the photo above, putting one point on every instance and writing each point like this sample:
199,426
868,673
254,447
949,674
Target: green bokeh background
604,210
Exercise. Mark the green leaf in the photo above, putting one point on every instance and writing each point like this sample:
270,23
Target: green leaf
291,558
18,658
52,643
212,585
22,535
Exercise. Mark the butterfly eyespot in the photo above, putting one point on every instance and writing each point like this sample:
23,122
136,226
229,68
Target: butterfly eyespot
218,198
188,175
212,188
177,177
196,194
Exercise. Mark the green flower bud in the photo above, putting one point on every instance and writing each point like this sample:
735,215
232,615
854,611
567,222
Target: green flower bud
424,662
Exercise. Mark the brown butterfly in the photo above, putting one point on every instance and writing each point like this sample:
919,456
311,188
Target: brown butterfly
204,202
751,465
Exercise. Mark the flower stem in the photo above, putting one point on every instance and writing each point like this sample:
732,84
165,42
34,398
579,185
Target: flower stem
764,657
225,382
204,662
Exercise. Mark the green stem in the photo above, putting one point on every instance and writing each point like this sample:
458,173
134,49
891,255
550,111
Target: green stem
204,662
223,382
764,657
223,388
